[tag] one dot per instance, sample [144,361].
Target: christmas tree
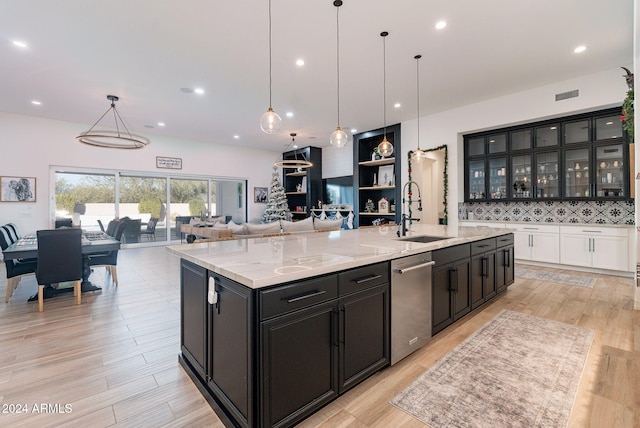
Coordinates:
[277,207]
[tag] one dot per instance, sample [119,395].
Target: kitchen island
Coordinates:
[272,329]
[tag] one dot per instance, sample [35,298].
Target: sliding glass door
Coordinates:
[154,206]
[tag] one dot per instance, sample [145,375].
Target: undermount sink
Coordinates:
[423,239]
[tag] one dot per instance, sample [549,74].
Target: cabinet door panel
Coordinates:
[193,302]
[461,294]
[365,335]
[522,248]
[545,247]
[576,250]
[299,363]
[489,285]
[441,314]
[230,343]
[610,252]
[477,280]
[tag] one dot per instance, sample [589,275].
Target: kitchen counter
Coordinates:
[261,262]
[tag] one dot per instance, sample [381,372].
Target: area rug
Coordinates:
[517,370]
[559,278]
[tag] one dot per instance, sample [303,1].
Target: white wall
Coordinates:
[29,145]
[597,91]
[337,162]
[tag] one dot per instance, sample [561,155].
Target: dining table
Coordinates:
[92,243]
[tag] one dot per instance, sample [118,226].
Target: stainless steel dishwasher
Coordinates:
[410,304]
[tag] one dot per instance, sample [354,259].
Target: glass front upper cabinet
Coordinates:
[498,178]
[576,166]
[608,127]
[477,183]
[521,140]
[610,171]
[547,136]
[576,132]
[497,143]
[521,173]
[547,175]
[475,147]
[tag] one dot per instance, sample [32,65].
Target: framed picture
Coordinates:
[260,195]
[17,189]
[385,175]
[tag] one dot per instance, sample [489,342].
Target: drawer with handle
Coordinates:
[485,245]
[363,277]
[287,298]
[504,240]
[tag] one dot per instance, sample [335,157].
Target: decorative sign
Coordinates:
[168,163]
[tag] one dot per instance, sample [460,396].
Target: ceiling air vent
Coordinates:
[568,94]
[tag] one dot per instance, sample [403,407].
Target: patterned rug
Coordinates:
[516,371]
[559,278]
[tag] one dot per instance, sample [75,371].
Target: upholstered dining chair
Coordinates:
[111,227]
[16,269]
[110,258]
[59,260]
[101,225]
[150,230]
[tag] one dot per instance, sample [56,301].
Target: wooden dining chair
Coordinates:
[59,260]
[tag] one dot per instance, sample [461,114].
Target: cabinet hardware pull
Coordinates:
[455,283]
[485,266]
[482,246]
[507,258]
[530,228]
[369,278]
[410,268]
[532,240]
[306,296]
[594,244]
[592,231]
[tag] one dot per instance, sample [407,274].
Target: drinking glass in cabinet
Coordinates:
[610,174]
[498,178]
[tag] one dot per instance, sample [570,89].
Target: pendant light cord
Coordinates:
[417,57]
[384,35]
[270,105]
[338,58]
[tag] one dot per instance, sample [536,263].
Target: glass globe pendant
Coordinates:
[270,122]
[385,148]
[339,138]
[418,155]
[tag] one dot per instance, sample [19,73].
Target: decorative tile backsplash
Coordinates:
[597,212]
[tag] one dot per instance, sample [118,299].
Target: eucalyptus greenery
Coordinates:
[628,115]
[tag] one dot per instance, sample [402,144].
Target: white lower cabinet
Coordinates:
[540,243]
[597,247]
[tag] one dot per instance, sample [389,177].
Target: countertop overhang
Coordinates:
[262,262]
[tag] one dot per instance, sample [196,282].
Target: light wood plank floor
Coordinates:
[113,359]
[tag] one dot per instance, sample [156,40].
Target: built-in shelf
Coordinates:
[303,187]
[298,212]
[377,187]
[296,193]
[296,174]
[383,161]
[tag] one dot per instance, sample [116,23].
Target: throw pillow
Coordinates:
[305,225]
[262,229]
[236,229]
[327,224]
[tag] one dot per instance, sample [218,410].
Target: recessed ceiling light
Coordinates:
[160,123]
[300,62]
[580,49]
[236,137]
[397,105]
[295,146]
[354,130]
[19,44]
[36,103]
[289,114]
[441,24]
[199,91]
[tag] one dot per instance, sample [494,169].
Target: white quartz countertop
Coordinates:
[261,262]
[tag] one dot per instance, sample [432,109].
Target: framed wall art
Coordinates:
[17,189]
[260,195]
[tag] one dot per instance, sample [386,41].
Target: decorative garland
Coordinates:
[445,178]
[628,115]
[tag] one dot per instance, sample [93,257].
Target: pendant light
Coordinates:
[338,138]
[294,163]
[121,138]
[270,122]
[418,154]
[385,148]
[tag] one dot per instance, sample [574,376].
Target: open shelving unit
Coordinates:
[301,202]
[366,173]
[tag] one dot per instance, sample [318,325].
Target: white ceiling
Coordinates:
[144,51]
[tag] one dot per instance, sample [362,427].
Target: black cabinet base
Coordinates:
[207,394]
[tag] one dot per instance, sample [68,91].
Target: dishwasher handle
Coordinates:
[414,267]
